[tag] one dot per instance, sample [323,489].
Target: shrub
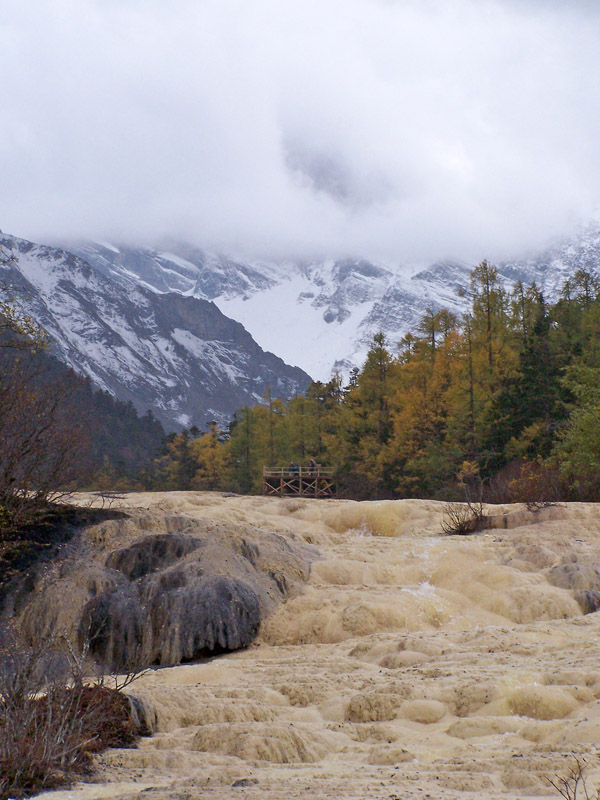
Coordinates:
[535,483]
[463,518]
[51,721]
[469,517]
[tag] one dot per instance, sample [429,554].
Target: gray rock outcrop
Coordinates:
[159,589]
[582,578]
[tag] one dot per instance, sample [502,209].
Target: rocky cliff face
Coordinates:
[177,355]
[176,267]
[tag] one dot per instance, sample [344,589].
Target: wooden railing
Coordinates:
[296,472]
[299,480]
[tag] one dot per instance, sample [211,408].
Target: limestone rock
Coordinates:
[589,600]
[575,575]
[583,578]
[181,591]
[384,755]
[424,711]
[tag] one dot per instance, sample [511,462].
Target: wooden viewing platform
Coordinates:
[300,481]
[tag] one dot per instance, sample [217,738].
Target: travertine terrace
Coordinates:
[410,665]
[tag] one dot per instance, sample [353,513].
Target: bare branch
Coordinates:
[568,785]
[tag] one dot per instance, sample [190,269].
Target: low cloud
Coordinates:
[401,130]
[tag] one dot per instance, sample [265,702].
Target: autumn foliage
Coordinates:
[511,386]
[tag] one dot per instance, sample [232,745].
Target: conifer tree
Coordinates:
[488,311]
[481,392]
[176,467]
[241,450]
[530,402]
[578,446]
[210,458]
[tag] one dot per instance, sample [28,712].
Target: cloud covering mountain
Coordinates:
[389,129]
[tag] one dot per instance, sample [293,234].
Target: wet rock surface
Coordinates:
[582,577]
[409,664]
[175,591]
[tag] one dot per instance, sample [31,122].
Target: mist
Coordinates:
[399,131]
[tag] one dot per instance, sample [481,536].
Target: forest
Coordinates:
[501,404]
[503,401]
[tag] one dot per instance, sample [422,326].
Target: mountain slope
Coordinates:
[177,355]
[323,315]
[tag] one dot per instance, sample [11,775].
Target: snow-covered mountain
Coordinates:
[156,325]
[554,265]
[323,315]
[173,353]
[319,315]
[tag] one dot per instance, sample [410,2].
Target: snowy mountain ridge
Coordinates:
[174,354]
[185,333]
[323,315]
[319,315]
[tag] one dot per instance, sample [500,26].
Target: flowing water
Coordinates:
[411,665]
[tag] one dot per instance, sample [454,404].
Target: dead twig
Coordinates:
[569,785]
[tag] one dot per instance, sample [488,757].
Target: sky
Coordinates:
[403,131]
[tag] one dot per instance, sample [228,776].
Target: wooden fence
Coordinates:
[298,481]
